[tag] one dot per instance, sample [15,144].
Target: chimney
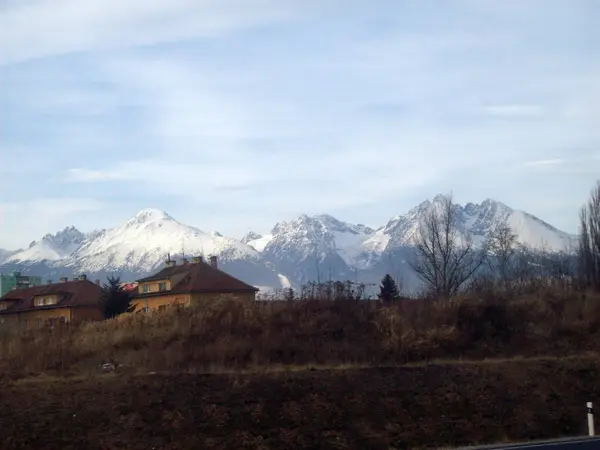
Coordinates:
[197,259]
[170,263]
[184,261]
[83,277]
[213,261]
[97,282]
[64,279]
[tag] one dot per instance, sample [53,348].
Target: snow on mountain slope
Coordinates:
[285,281]
[51,247]
[5,254]
[143,242]
[534,233]
[294,252]
[309,248]
[300,244]
[478,220]
[531,232]
[317,236]
[257,241]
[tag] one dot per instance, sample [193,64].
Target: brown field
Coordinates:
[375,408]
[310,374]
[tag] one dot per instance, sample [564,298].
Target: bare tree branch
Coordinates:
[445,261]
[589,241]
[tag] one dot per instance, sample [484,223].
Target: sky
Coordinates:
[232,115]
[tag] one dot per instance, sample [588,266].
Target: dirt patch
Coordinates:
[377,408]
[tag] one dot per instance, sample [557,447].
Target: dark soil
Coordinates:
[377,408]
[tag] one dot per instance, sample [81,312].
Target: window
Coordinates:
[38,323]
[162,286]
[41,301]
[2,306]
[145,309]
[162,307]
[146,288]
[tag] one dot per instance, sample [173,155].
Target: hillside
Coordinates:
[344,374]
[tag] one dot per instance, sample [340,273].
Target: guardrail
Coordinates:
[589,442]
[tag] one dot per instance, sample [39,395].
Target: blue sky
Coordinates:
[234,114]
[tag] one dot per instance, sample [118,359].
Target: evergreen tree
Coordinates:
[388,291]
[115,300]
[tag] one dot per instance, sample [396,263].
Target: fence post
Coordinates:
[590,417]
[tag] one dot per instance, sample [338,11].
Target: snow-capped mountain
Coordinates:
[51,247]
[140,246]
[476,220]
[310,248]
[143,242]
[292,253]
[321,246]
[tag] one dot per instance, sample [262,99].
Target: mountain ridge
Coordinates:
[293,252]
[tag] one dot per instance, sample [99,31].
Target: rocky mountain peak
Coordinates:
[149,215]
[251,236]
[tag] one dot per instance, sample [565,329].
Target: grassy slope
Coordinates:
[522,397]
[235,336]
[403,407]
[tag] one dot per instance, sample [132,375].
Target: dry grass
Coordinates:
[230,374]
[229,335]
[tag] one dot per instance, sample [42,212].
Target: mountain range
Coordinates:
[309,248]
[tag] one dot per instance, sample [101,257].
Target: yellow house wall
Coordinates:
[154,286]
[156,301]
[29,319]
[212,296]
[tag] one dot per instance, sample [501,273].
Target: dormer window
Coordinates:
[43,301]
[162,287]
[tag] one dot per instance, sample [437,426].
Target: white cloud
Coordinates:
[544,163]
[514,110]
[23,221]
[52,27]
[87,175]
[266,108]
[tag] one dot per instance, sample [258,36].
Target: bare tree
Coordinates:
[503,251]
[445,260]
[589,241]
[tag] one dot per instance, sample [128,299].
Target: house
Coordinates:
[10,280]
[188,283]
[52,304]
